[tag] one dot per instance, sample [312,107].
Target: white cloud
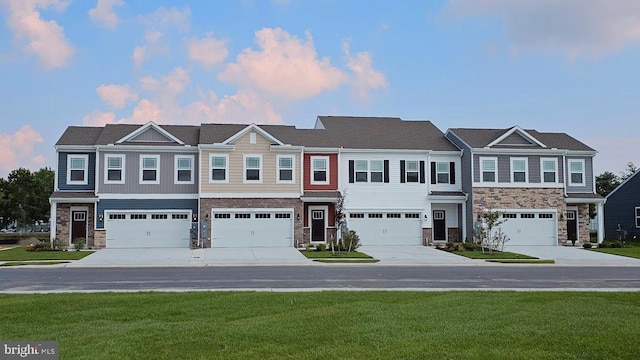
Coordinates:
[17,149]
[158,23]
[116,96]
[284,66]
[207,51]
[164,18]
[572,28]
[43,38]
[243,107]
[98,118]
[103,13]
[139,55]
[363,76]
[169,85]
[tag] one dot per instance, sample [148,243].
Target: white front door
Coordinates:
[530,227]
[147,229]
[386,228]
[251,227]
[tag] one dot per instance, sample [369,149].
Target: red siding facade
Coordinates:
[333,173]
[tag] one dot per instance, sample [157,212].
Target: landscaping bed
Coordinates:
[327,256]
[348,325]
[474,251]
[22,253]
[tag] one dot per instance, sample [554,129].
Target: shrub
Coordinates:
[321,247]
[59,245]
[79,243]
[308,247]
[350,241]
[587,245]
[610,244]
[41,246]
[469,246]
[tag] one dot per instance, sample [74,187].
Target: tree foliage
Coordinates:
[628,171]
[606,182]
[24,196]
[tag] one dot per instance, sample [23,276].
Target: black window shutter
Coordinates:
[351,171]
[386,171]
[401,171]
[452,172]
[433,173]
[422,172]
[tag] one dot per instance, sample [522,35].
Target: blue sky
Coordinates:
[551,65]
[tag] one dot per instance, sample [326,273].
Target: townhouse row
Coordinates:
[232,185]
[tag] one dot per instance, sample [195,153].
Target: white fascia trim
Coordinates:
[209,195]
[392,151]
[148,148]
[284,148]
[318,199]
[439,199]
[512,151]
[308,150]
[147,126]
[256,128]
[71,148]
[521,132]
[73,200]
[147,196]
[222,147]
[584,201]
[621,184]
[517,185]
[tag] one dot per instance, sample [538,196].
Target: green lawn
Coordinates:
[329,325]
[338,254]
[633,252]
[493,255]
[21,254]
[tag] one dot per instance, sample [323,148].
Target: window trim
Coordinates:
[370,169]
[293,169]
[313,169]
[244,169]
[175,169]
[417,171]
[141,166]
[448,167]
[85,180]
[355,170]
[637,216]
[226,168]
[526,169]
[555,169]
[106,168]
[495,169]
[583,172]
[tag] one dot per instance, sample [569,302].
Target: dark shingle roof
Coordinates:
[217,133]
[79,135]
[111,133]
[479,138]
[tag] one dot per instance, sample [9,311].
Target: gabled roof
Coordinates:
[111,133]
[481,138]
[256,128]
[156,131]
[519,133]
[623,183]
[79,135]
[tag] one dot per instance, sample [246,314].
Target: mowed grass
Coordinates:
[492,255]
[21,254]
[329,325]
[633,252]
[337,254]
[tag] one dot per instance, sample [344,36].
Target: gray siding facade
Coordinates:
[466,165]
[588,175]
[61,172]
[132,170]
[504,167]
[143,204]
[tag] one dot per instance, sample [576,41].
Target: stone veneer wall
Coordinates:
[63,225]
[100,239]
[522,198]
[583,223]
[453,235]
[427,237]
[238,203]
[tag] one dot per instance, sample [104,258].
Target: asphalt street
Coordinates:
[336,277]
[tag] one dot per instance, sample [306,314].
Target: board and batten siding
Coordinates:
[62,172]
[132,184]
[235,166]
[143,204]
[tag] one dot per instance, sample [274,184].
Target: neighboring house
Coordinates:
[126,185]
[622,210]
[542,182]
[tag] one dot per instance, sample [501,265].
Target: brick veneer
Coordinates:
[427,236]
[523,198]
[63,225]
[100,239]
[236,203]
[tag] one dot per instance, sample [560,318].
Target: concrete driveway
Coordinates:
[415,255]
[574,256]
[188,257]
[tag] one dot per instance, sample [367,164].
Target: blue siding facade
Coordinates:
[62,172]
[466,171]
[620,209]
[143,204]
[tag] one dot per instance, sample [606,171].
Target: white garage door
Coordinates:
[530,227]
[387,228]
[147,229]
[252,228]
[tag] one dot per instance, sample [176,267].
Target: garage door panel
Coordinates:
[263,228]
[530,228]
[147,229]
[386,228]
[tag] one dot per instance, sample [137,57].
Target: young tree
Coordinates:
[26,196]
[628,171]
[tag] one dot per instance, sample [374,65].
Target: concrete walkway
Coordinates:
[416,255]
[574,256]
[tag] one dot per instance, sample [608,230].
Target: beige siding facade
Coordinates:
[235,175]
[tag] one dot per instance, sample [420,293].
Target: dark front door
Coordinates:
[439,225]
[317,225]
[572,225]
[79,225]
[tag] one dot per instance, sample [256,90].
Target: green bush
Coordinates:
[79,243]
[41,246]
[613,244]
[469,246]
[59,244]
[350,241]
[321,247]
[587,245]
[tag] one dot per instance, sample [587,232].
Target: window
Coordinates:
[285,169]
[263,216]
[159,216]
[117,216]
[138,216]
[114,169]
[394,216]
[509,216]
[219,168]
[549,169]
[545,216]
[356,216]
[638,217]
[222,216]
[243,216]
[527,216]
[488,169]
[252,168]
[320,168]
[78,167]
[576,172]
[149,169]
[179,216]
[283,216]
[442,172]
[361,170]
[184,169]
[518,170]
[412,216]
[377,170]
[375,216]
[411,170]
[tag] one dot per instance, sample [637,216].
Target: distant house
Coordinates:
[622,210]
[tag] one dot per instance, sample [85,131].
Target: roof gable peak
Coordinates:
[158,134]
[247,129]
[517,131]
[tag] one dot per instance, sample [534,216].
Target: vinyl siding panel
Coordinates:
[620,209]
[333,172]
[236,169]
[588,175]
[132,175]
[62,172]
[504,167]
[468,170]
[143,204]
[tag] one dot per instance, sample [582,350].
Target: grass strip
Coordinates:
[492,255]
[352,325]
[523,261]
[21,263]
[338,254]
[22,254]
[633,252]
[344,261]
